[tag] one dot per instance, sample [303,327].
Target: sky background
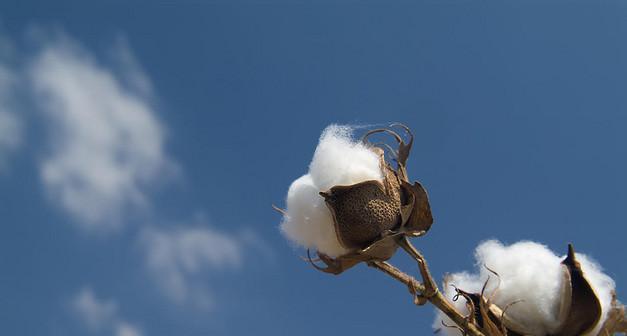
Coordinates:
[142,144]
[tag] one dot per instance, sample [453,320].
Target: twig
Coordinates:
[431,288]
[437,300]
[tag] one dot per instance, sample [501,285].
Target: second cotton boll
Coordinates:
[529,278]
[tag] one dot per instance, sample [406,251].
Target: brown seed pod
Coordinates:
[370,216]
[363,211]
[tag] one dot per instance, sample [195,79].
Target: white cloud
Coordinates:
[94,313]
[10,128]
[107,144]
[179,259]
[100,316]
[125,329]
[130,67]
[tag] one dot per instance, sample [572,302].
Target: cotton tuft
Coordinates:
[530,272]
[338,160]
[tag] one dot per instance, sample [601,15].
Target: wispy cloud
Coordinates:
[100,316]
[105,150]
[10,127]
[179,259]
[130,67]
[125,329]
[107,144]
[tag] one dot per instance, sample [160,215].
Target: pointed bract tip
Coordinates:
[570,256]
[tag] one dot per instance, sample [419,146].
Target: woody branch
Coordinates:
[426,290]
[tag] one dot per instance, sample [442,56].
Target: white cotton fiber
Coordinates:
[338,160]
[529,272]
[308,221]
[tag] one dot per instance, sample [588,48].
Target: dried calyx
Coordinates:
[616,321]
[579,311]
[372,216]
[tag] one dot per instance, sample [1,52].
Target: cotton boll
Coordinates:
[308,221]
[529,272]
[603,287]
[340,160]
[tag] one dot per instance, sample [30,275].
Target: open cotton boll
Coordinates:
[340,160]
[308,221]
[529,272]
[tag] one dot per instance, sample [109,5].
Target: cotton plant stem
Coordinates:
[437,300]
[385,267]
[428,290]
[431,288]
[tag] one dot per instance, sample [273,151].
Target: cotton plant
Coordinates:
[356,204]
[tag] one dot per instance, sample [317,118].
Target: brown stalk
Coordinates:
[426,291]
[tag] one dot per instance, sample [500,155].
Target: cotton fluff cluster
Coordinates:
[338,160]
[530,272]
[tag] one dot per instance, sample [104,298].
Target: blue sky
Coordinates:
[142,144]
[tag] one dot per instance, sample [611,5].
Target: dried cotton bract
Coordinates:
[525,289]
[352,205]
